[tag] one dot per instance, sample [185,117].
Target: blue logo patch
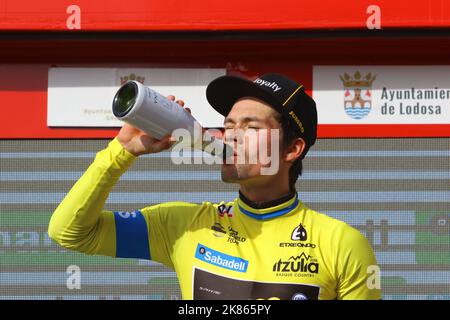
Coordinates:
[220,259]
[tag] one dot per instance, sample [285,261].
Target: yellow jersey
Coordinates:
[227,250]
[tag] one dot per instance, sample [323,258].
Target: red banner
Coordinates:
[170,15]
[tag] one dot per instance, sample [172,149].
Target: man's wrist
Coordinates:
[120,154]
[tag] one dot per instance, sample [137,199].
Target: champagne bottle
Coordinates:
[148,110]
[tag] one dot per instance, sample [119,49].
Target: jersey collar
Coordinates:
[270,212]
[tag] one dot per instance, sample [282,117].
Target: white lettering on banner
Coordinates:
[28,241]
[382,94]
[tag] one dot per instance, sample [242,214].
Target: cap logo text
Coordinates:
[299,123]
[272,85]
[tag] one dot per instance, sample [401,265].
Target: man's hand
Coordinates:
[138,142]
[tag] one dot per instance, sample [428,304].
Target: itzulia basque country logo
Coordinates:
[358,98]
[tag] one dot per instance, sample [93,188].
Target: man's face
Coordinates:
[252,129]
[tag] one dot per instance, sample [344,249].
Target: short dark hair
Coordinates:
[289,136]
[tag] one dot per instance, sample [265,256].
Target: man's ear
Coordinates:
[295,150]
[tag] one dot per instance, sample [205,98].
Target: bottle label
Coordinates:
[159,100]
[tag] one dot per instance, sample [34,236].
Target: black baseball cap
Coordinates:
[281,93]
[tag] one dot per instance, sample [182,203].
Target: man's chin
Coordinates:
[229,174]
[229,179]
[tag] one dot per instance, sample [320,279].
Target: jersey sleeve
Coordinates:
[358,272]
[154,232]
[79,222]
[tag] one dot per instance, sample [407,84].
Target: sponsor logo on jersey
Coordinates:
[299,235]
[127,215]
[210,286]
[234,237]
[220,259]
[223,209]
[296,245]
[299,296]
[301,265]
[218,230]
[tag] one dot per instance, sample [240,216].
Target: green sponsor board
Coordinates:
[164,281]
[22,219]
[392,281]
[438,233]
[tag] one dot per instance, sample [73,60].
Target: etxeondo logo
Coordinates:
[220,259]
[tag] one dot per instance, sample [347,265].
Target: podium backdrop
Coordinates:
[390,178]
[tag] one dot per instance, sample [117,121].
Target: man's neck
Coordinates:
[259,196]
[266,204]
